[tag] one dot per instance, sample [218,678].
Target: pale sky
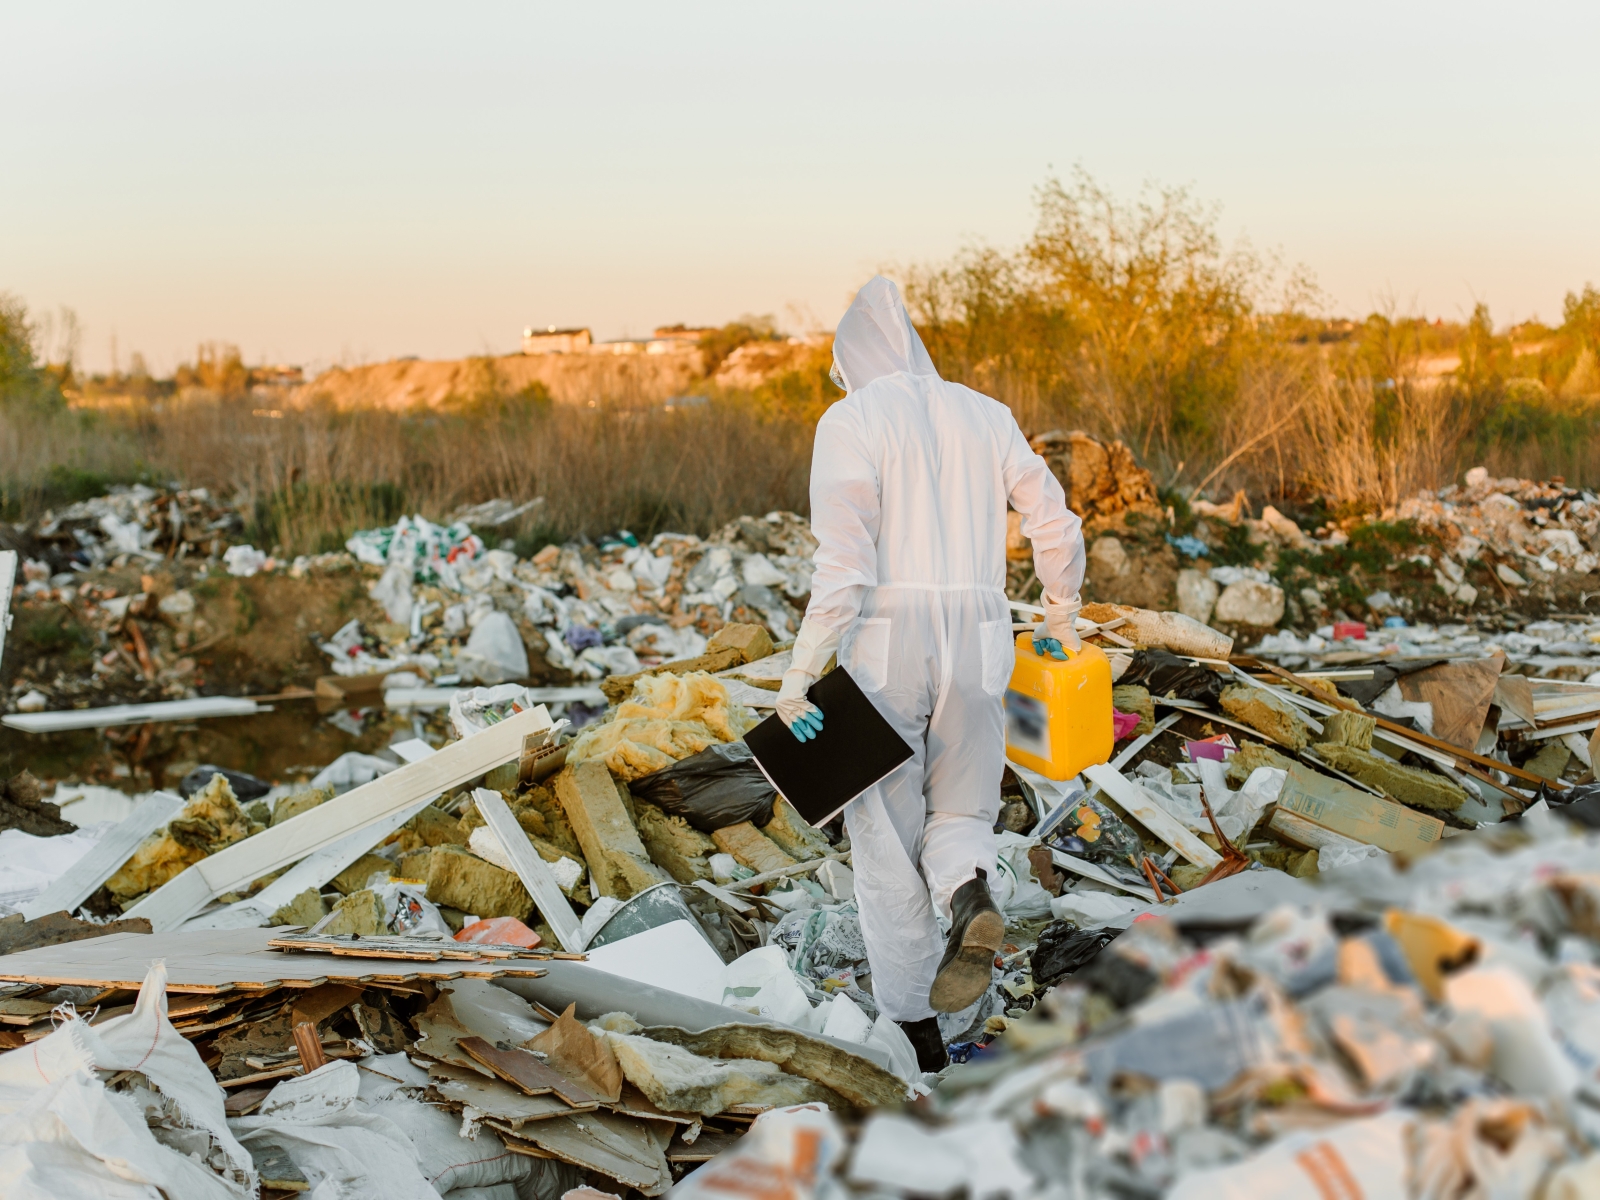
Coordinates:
[349,182]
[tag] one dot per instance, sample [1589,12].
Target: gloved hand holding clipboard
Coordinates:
[852,750]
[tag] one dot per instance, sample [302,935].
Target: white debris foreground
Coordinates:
[1446,1045]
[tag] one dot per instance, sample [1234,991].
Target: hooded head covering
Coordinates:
[876,338]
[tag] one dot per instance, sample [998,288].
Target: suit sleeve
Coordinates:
[845,501]
[1047,522]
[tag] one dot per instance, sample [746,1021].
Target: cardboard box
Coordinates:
[1356,814]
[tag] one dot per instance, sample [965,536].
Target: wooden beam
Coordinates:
[1456,752]
[238,865]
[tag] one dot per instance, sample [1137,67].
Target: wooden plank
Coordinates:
[237,865]
[85,876]
[523,1069]
[225,960]
[1136,802]
[532,870]
[131,714]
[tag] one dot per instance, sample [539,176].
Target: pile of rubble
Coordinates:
[460,613]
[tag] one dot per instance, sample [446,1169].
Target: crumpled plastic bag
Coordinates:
[1091,830]
[1063,948]
[475,709]
[66,1135]
[341,1149]
[494,653]
[1163,673]
[718,787]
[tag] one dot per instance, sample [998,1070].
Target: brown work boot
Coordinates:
[976,931]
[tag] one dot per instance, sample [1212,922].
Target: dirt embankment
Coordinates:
[571,379]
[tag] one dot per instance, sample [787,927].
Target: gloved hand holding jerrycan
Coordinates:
[1058,703]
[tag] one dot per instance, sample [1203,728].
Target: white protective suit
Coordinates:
[910,479]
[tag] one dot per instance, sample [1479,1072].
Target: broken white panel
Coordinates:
[1094,871]
[131,714]
[238,865]
[8,580]
[532,870]
[110,852]
[1137,803]
[313,871]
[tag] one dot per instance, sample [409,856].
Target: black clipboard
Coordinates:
[855,749]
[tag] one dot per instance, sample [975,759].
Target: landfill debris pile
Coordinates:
[382,989]
[140,522]
[1423,1031]
[615,609]
[1323,923]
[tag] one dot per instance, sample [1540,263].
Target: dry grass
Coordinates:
[312,476]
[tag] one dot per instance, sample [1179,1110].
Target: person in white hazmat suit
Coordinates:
[910,480]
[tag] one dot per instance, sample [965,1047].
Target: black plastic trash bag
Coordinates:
[718,787]
[1063,948]
[245,787]
[1165,674]
[1579,803]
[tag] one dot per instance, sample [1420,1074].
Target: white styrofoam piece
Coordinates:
[674,956]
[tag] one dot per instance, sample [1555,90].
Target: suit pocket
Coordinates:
[999,655]
[869,654]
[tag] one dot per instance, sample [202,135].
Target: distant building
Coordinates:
[555,341]
[681,332]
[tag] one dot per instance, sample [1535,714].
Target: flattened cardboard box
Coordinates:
[1356,814]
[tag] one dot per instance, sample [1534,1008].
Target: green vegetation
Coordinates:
[1132,320]
[1129,319]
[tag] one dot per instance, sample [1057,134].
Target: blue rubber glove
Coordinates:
[803,718]
[1050,646]
[807,726]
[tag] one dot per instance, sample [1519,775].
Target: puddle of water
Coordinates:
[288,744]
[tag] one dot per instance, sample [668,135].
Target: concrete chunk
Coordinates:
[1267,714]
[794,835]
[462,880]
[616,857]
[751,848]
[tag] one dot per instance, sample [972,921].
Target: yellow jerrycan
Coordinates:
[1058,714]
